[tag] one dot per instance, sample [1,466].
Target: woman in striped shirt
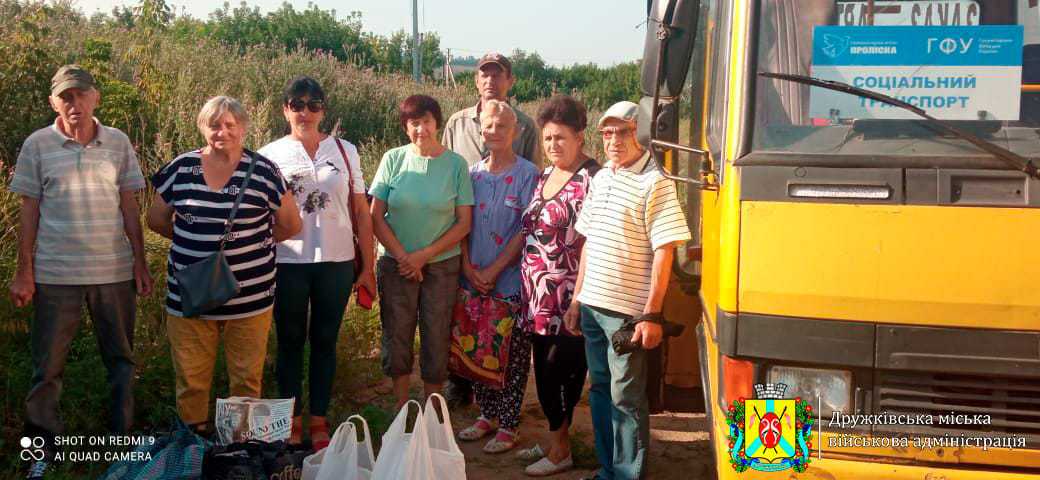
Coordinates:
[193,200]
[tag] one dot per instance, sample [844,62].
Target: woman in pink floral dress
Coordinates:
[549,268]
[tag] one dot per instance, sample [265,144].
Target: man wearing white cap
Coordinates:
[632,222]
[79,241]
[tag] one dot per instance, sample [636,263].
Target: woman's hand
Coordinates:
[412,263]
[367,279]
[572,318]
[477,279]
[490,276]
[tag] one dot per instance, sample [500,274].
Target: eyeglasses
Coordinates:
[314,106]
[619,133]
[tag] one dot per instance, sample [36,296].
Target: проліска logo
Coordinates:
[770,433]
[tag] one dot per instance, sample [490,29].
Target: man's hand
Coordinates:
[22,289]
[649,333]
[142,278]
[572,318]
[367,279]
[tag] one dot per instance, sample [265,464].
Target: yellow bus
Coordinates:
[861,178]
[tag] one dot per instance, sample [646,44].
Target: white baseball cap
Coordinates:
[623,110]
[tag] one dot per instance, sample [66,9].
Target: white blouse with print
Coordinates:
[319,186]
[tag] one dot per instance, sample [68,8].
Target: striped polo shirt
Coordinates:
[200,216]
[81,238]
[628,214]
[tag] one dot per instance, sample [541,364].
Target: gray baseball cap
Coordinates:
[71,76]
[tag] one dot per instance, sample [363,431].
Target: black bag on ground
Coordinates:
[254,460]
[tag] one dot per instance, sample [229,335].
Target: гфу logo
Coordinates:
[770,433]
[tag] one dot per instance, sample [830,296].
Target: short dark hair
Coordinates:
[563,110]
[302,87]
[416,106]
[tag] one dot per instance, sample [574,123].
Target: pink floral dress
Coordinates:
[552,251]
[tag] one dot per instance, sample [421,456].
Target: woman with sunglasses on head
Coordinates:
[316,266]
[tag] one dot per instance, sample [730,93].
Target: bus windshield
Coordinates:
[972,63]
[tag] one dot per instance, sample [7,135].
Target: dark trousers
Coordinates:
[405,305]
[325,287]
[559,374]
[55,324]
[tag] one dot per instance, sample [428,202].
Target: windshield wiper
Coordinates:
[1013,159]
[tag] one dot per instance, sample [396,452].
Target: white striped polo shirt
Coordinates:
[81,238]
[628,214]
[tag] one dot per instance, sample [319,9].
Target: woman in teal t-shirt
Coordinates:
[422,207]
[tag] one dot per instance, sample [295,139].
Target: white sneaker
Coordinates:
[545,467]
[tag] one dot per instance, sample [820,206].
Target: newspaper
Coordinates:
[243,418]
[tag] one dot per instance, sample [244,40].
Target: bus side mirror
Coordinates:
[679,17]
[667,120]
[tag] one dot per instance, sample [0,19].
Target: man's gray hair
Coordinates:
[216,107]
[497,108]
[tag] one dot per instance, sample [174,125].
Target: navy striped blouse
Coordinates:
[199,222]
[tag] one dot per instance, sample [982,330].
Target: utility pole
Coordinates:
[416,53]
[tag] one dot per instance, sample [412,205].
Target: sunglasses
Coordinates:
[314,106]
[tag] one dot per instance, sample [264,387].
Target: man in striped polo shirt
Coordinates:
[79,240]
[632,223]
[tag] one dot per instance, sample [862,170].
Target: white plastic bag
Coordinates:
[345,458]
[445,455]
[312,464]
[405,456]
[366,459]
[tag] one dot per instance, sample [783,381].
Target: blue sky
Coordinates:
[563,32]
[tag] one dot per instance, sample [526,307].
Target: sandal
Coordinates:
[504,441]
[322,427]
[478,430]
[530,454]
[546,467]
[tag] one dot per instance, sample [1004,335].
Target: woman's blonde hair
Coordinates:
[216,107]
[497,108]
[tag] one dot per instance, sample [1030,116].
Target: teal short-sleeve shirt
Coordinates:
[421,194]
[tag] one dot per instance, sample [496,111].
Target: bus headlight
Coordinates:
[833,387]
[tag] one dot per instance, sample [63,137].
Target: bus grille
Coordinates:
[1013,404]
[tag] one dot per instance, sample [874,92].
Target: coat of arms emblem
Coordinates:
[770,433]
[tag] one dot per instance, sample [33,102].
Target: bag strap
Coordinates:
[444,412]
[368,436]
[350,191]
[342,438]
[238,199]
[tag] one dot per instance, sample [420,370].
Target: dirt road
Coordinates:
[679,446]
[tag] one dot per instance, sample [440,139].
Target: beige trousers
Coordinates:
[193,343]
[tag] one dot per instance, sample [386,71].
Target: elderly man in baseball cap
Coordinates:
[494,78]
[632,223]
[79,240]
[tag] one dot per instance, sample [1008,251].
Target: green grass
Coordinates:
[152,85]
[84,399]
